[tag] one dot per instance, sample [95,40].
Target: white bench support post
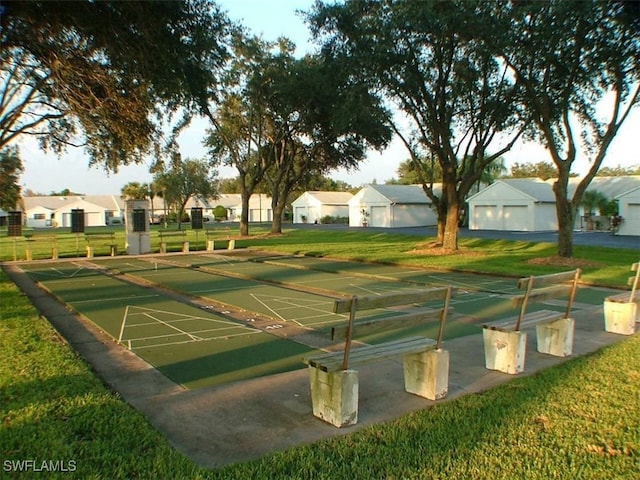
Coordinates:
[89,251]
[211,245]
[163,247]
[504,350]
[427,374]
[621,317]
[334,396]
[556,338]
[185,247]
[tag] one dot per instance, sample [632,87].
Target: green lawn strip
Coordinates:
[487,256]
[501,257]
[41,241]
[54,408]
[191,346]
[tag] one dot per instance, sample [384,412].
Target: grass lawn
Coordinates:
[577,420]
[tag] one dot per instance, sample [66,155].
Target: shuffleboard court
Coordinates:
[302,308]
[140,302]
[194,347]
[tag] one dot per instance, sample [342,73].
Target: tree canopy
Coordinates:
[452,95]
[104,74]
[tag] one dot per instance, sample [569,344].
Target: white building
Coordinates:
[391,206]
[310,207]
[259,207]
[519,204]
[629,210]
[528,204]
[55,211]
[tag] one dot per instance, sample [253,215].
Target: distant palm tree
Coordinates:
[591,200]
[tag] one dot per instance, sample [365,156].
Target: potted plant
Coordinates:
[365,217]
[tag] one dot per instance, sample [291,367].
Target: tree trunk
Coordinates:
[566,218]
[244,217]
[276,222]
[451,229]
[452,209]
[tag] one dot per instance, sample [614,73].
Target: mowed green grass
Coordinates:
[580,419]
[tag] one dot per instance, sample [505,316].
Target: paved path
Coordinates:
[245,420]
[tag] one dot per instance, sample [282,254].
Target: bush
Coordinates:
[328,219]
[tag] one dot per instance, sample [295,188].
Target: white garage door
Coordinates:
[485,217]
[379,217]
[515,218]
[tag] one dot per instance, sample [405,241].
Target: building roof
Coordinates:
[610,187]
[537,189]
[404,194]
[331,198]
[108,202]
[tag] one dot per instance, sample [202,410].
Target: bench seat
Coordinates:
[624,297]
[332,361]
[528,320]
[95,238]
[169,236]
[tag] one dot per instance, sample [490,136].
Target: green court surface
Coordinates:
[207,345]
[193,347]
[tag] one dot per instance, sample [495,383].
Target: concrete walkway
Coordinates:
[246,420]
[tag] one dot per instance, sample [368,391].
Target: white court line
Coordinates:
[185,316]
[57,274]
[193,337]
[197,339]
[191,341]
[110,299]
[268,307]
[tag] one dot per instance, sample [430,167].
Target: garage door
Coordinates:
[379,217]
[485,217]
[515,218]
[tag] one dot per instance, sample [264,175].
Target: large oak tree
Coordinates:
[579,65]
[104,74]
[453,98]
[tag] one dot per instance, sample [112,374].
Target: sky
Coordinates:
[45,172]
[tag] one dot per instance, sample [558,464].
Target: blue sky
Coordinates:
[270,19]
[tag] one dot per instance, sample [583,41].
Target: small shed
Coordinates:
[391,206]
[629,210]
[522,204]
[311,207]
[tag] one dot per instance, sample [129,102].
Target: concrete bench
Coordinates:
[622,311]
[505,343]
[213,242]
[30,240]
[178,236]
[334,382]
[97,238]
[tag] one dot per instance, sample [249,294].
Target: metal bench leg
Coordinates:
[556,338]
[427,374]
[334,396]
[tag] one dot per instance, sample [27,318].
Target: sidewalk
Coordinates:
[245,420]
